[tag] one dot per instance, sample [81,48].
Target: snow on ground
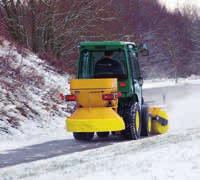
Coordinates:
[155,83]
[174,155]
[174,4]
[185,112]
[30,109]
[162,157]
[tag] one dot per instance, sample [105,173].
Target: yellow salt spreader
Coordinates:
[108,94]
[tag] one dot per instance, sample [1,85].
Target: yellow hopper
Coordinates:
[94,113]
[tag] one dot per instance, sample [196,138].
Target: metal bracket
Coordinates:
[161,120]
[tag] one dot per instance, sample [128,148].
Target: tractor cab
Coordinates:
[113,59]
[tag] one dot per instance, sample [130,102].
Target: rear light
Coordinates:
[108,97]
[119,94]
[70,98]
[122,84]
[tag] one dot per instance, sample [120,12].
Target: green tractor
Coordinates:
[108,93]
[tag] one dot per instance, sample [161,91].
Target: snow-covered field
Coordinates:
[175,155]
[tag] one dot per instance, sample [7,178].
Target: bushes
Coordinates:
[55,27]
[4,32]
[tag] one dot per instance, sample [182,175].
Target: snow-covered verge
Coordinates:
[158,83]
[30,109]
[172,156]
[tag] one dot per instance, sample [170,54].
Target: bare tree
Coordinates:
[53,28]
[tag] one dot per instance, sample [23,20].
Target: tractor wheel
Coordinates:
[103,134]
[83,136]
[146,121]
[132,120]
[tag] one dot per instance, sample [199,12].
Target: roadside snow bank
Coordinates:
[184,112]
[150,158]
[158,83]
[29,98]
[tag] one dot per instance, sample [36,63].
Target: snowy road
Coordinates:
[170,156]
[51,149]
[158,95]
[176,152]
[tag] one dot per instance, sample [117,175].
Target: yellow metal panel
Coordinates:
[93,84]
[89,91]
[93,98]
[94,120]
[137,121]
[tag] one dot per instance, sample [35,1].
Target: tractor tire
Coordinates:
[83,136]
[146,121]
[103,134]
[132,121]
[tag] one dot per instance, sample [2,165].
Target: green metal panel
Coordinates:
[102,45]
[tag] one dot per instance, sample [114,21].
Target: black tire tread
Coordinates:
[83,136]
[103,134]
[129,116]
[145,119]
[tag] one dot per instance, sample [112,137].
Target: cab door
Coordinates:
[135,73]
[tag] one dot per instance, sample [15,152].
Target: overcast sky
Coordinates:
[172,4]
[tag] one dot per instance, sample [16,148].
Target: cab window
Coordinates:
[134,64]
